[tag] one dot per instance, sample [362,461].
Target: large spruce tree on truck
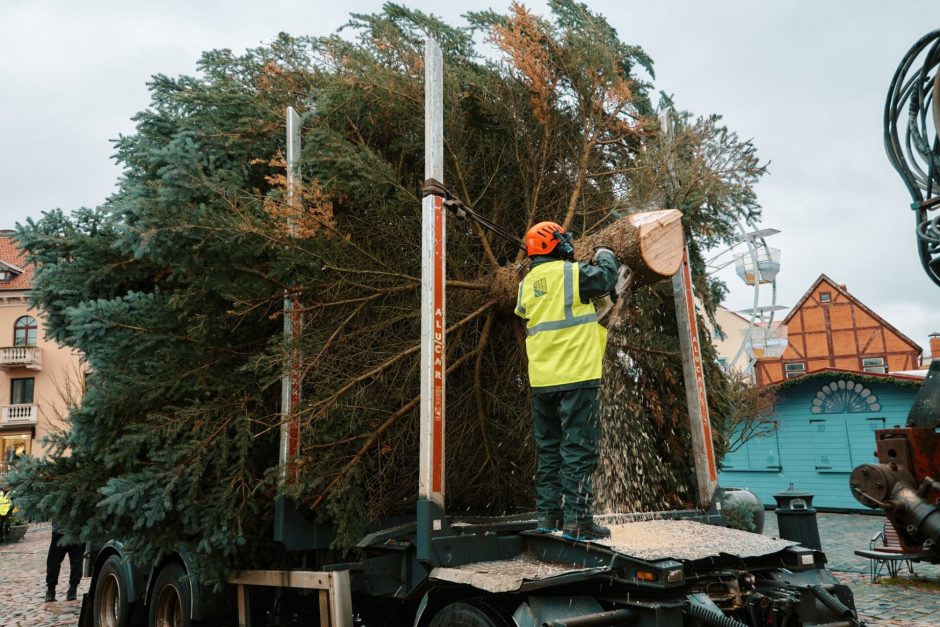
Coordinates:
[173,287]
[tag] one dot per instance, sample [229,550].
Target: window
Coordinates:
[13,446]
[844,397]
[24,331]
[874,364]
[8,272]
[793,370]
[21,391]
[825,297]
[759,454]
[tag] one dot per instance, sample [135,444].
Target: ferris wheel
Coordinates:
[757,265]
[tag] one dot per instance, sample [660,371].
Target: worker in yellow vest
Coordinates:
[565,347]
[6,513]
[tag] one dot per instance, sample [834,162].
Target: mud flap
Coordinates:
[86,617]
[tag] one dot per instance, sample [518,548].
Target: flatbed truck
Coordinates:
[658,569]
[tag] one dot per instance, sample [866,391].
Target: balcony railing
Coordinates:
[21,357]
[11,415]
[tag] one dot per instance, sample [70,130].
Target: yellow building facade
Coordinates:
[38,378]
[728,341]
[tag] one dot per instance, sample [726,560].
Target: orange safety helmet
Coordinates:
[541,240]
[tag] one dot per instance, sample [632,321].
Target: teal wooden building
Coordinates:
[825,423]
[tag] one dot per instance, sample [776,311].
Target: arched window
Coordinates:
[24,331]
[844,397]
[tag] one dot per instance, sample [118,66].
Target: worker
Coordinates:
[57,552]
[565,347]
[6,513]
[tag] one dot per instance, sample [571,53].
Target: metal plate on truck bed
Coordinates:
[686,540]
[508,575]
[646,541]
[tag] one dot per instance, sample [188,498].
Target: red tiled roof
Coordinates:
[9,253]
[842,290]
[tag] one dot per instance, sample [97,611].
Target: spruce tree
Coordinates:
[173,287]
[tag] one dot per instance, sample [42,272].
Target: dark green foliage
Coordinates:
[172,289]
[738,515]
[171,296]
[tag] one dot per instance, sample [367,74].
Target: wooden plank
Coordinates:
[303,579]
[334,598]
[871,338]
[829,346]
[324,608]
[244,612]
[340,599]
[803,333]
[703,455]
[858,350]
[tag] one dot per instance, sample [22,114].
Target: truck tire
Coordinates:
[469,614]
[111,607]
[171,599]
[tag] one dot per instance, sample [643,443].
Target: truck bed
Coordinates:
[651,541]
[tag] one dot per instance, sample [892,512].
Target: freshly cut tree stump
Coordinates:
[651,244]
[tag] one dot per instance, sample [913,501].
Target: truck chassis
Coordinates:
[494,572]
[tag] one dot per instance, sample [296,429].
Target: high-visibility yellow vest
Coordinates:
[5,504]
[564,342]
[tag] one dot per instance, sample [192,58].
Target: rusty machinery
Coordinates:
[904,482]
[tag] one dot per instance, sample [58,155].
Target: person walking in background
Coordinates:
[6,513]
[57,553]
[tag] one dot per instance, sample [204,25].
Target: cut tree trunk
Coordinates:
[651,244]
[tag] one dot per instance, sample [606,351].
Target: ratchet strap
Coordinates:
[433,187]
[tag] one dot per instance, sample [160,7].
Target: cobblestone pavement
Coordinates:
[877,603]
[23,584]
[23,567]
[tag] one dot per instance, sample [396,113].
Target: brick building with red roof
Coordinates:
[38,378]
[831,328]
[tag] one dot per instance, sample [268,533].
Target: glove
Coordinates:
[602,249]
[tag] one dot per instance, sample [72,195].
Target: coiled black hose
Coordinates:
[832,602]
[917,159]
[711,617]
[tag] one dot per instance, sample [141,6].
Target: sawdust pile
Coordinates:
[503,575]
[687,540]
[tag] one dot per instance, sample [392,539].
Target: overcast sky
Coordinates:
[806,80]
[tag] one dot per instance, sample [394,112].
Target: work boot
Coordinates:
[549,522]
[50,595]
[72,593]
[585,531]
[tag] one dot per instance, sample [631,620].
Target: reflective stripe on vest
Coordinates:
[564,343]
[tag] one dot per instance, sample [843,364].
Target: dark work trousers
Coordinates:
[57,553]
[567,429]
[5,526]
